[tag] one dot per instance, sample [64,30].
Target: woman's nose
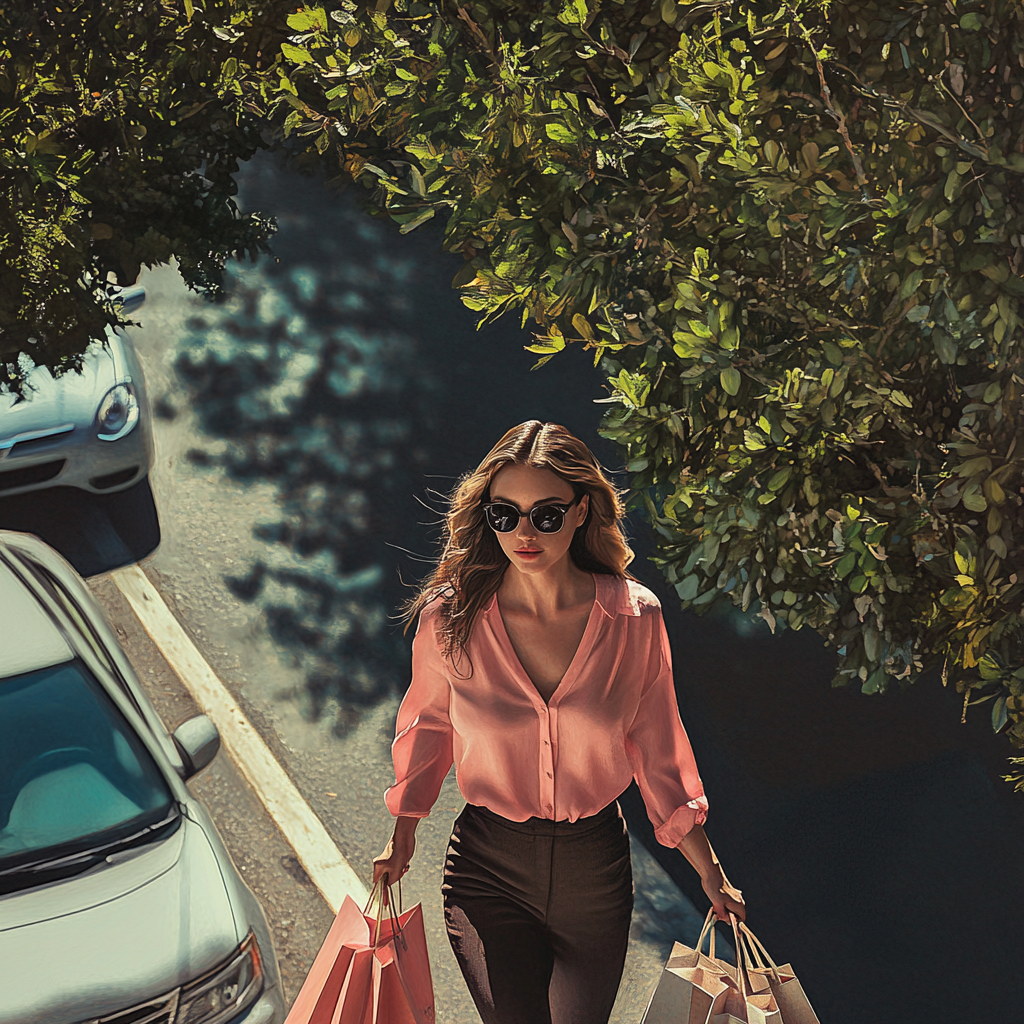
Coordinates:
[525,530]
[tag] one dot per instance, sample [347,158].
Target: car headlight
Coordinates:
[118,412]
[227,991]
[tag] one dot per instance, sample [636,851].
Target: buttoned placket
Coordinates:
[546,715]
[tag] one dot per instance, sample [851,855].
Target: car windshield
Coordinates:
[74,776]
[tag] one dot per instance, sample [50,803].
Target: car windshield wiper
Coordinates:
[81,859]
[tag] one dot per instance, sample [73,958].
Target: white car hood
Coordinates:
[118,935]
[70,398]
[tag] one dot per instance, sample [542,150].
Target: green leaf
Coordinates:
[971,22]
[421,218]
[687,588]
[833,353]
[945,347]
[874,682]
[992,392]
[779,478]
[950,190]
[557,132]
[911,284]
[296,54]
[975,502]
[999,716]
[582,324]
[989,668]
[730,380]
[846,563]
[963,557]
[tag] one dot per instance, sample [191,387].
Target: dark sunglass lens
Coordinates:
[502,518]
[547,518]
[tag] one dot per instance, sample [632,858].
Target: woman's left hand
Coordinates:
[725,897]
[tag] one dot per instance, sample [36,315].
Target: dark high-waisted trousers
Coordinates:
[538,914]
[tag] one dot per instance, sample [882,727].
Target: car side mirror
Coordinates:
[197,741]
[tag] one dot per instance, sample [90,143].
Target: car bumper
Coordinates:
[78,459]
[268,1009]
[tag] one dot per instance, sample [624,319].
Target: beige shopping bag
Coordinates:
[692,987]
[745,1003]
[782,982]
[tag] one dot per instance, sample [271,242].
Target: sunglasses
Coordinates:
[504,518]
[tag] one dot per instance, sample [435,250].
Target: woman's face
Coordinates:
[525,487]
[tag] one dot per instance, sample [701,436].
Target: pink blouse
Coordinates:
[612,718]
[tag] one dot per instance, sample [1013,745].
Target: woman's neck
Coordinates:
[561,586]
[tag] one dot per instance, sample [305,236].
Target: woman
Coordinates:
[542,668]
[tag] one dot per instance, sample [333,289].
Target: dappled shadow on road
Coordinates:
[348,373]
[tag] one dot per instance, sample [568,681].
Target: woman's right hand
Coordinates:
[396,855]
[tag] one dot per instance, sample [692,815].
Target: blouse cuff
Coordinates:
[672,832]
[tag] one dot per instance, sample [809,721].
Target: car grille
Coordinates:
[161,1010]
[11,478]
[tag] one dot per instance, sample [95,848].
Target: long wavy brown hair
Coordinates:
[472,564]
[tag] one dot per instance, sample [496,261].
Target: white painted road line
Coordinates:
[317,852]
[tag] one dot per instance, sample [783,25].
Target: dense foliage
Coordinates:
[121,125]
[794,231]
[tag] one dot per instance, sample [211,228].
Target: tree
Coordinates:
[109,113]
[794,233]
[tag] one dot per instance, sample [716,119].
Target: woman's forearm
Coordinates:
[405,831]
[696,848]
[725,898]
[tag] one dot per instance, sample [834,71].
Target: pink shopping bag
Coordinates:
[371,969]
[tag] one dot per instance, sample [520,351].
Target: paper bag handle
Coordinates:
[741,958]
[378,892]
[709,928]
[757,944]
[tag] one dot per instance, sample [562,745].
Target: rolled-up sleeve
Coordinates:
[659,750]
[422,750]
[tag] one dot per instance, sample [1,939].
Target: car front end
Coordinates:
[88,429]
[119,902]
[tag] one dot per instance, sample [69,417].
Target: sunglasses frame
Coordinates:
[561,506]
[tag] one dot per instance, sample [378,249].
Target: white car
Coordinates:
[90,430]
[119,903]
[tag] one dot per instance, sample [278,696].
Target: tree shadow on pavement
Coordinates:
[348,373]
